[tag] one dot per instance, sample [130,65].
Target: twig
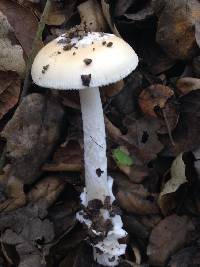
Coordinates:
[35,48]
[168,127]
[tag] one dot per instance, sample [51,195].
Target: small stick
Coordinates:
[35,48]
[168,127]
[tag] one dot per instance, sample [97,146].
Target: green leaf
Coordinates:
[122,157]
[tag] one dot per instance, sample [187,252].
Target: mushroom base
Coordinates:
[104,226]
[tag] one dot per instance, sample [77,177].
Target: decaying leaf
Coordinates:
[66,158]
[23,22]
[11,53]
[125,100]
[46,191]
[142,134]
[28,230]
[31,135]
[154,96]
[176,27]
[178,178]
[12,193]
[9,91]
[186,257]
[135,198]
[187,84]
[170,235]
[186,135]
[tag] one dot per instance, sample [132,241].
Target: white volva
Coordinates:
[85,63]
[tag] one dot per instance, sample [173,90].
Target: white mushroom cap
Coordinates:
[96,59]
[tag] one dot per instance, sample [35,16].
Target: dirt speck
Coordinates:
[109,44]
[86,79]
[45,68]
[87,61]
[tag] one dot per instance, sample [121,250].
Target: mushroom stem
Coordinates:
[99,214]
[94,145]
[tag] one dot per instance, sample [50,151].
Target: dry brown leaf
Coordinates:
[187,84]
[66,158]
[135,198]
[46,191]
[176,27]
[29,231]
[31,135]
[154,96]
[142,135]
[11,53]
[9,91]
[23,22]
[167,237]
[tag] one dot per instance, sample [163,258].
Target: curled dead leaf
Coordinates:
[154,96]
[187,84]
[178,178]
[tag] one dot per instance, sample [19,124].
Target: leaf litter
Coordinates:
[152,124]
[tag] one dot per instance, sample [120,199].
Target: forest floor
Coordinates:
[152,122]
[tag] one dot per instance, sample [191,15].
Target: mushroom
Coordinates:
[99,59]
